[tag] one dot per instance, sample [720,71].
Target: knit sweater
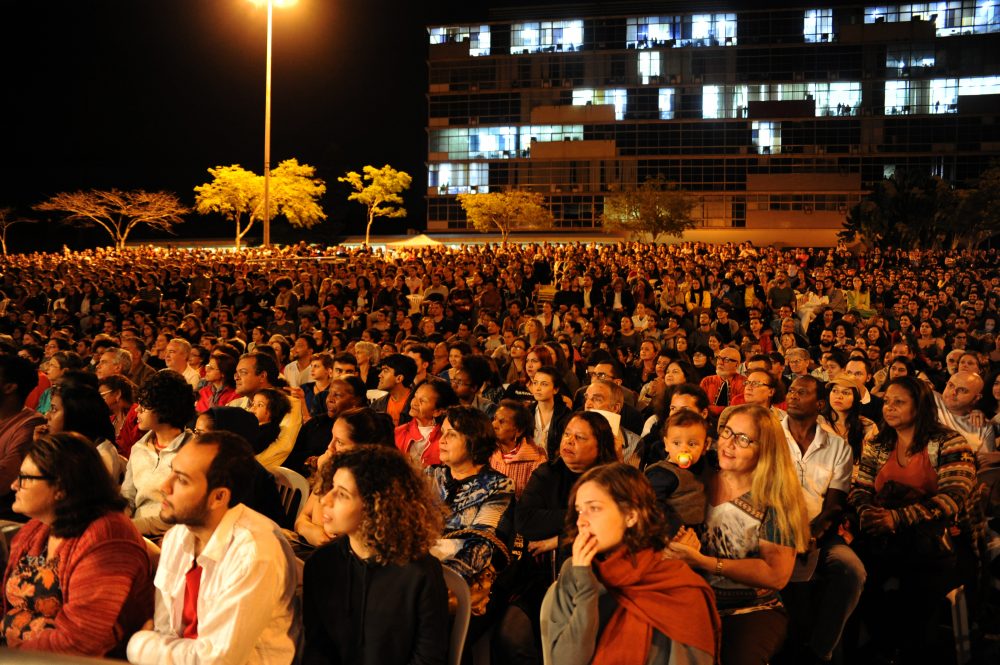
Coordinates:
[106,586]
[954,461]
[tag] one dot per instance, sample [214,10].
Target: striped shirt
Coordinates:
[519,464]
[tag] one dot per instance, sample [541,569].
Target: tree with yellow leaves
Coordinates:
[506,211]
[378,190]
[118,212]
[238,194]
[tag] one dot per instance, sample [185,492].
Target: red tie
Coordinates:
[189,617]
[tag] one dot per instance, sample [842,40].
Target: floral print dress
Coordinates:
[35,598]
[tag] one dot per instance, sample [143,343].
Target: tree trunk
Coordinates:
[368,229]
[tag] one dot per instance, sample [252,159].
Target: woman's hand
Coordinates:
[40,431]
[685,553]
[537,547]
[584,548]
[686,536]
[878,521]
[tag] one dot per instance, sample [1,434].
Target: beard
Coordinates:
[196,515]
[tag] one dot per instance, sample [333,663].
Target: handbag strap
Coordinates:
[498,545]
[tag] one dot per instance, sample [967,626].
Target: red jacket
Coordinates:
[226,395]
[130,432]
[106,581]
[713,384]
[408,433]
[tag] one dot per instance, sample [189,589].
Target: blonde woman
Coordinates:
[756,522]
[368,356]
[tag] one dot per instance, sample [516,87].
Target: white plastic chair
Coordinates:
[290,483]
[960,625]
[463,614]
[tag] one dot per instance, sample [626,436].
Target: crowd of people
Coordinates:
[630,453]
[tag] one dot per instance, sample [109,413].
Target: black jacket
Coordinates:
[360,613]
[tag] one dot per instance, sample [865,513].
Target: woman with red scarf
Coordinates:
[618,600]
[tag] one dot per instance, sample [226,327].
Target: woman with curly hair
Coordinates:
[617,599]
[165,407]
[374,570]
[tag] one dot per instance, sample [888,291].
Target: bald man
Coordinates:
[959,397]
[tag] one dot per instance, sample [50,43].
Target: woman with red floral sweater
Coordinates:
[78,579]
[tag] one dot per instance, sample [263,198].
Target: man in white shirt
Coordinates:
[824,463]
[226,578]
[959,397]
[177,353]
[299,371]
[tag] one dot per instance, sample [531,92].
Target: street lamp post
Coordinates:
[267,130]
[267,117]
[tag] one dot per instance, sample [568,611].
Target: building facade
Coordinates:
[772,117]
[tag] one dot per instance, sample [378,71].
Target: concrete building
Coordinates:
[774,118]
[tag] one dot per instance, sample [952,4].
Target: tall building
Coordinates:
[772,117]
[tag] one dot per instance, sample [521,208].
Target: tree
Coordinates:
[654,208]
[506,211]
[378,190]
[907,209]
[118,212]
[7,220]
[238,195]
[978,215]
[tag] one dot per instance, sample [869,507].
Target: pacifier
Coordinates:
[683,460]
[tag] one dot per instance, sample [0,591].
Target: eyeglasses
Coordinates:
[21,477]
[757,384]
[603,376]
[723,359]
[741,439]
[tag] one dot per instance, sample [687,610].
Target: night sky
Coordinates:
[150,93]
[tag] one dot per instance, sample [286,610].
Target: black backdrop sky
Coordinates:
[151,93]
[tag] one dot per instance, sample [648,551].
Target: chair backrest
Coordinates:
[463,614]
[293,489]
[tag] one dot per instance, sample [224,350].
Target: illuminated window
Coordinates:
[709,30]
[954,17]
[492,142]
[837,98]
[618,97]
[818,25]
[767,137]
[546,133]
[724,101]
[649,65]
[691,30]
[545,36]
[905,58]
[666,103]
[451,142]
[650,31]
[460,178]
[478,37]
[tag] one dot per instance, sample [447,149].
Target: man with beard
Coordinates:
[226,579]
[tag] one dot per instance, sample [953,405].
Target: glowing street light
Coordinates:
[267,115]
